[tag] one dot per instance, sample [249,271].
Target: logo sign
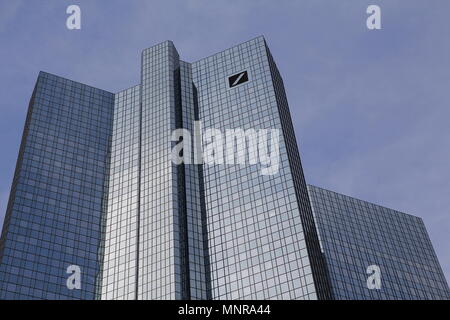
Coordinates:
[237,79]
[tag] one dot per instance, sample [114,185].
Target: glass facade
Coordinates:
[120,222]
[96,186]
[56,201]
[259,226]
[196,227]
[356,234]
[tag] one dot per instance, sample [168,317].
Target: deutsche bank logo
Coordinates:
[237,79]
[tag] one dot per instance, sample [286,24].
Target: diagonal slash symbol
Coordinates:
[238,78]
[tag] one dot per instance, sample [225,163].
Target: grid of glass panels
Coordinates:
[316,257]
[257,247]
[92,163]
[55,207]
[159,266]
[121,220]
[356,234]
[195,204]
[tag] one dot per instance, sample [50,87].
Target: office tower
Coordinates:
[55,206]
[97,186]
[356,234]
[201,231]
[262,243]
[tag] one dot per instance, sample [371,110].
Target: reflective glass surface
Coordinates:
[356,234]
[256,236]
[95,186]
[56,202]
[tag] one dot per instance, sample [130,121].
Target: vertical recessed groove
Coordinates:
[182,199]
[206,260]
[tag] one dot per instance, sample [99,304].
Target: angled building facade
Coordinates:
[96,186]
[261,237]
[357,235]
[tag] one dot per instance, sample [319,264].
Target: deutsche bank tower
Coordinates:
[187,185]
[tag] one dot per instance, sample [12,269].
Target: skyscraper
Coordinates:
[200,231]
[358,237]
[55,206]
[97,187]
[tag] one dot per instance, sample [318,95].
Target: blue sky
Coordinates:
[370,108]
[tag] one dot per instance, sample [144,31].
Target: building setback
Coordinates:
[95,187]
